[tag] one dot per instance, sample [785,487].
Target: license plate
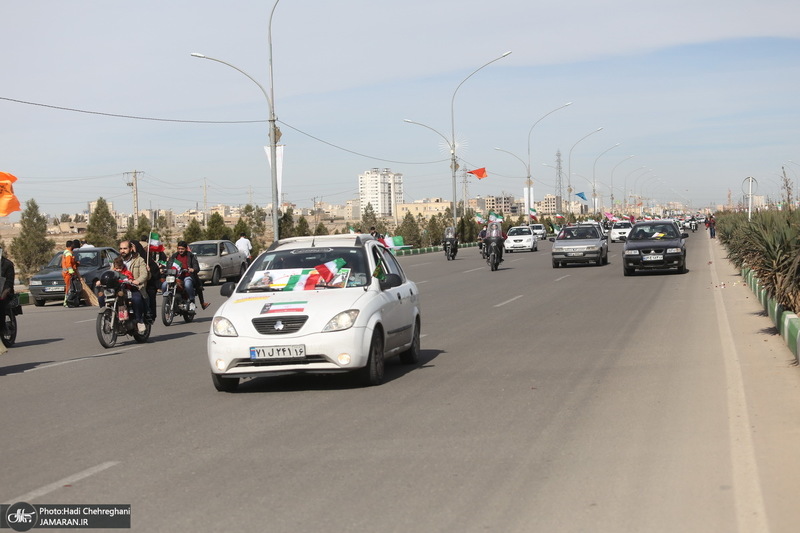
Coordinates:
[54,289]
[653,258]
[293,351]
[575,254]
[170,279]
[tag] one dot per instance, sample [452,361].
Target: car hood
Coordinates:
[319,305]
[54,273]
[653,244]
[570,243]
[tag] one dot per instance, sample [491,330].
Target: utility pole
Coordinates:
[559,184]
[205,202]
[465,194]
[133,183]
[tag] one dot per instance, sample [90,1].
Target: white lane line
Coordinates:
[509,301]
[473,270]
[81,359]
[748,497]
[562,277]
[420,264]
[47,489]
[421,282]
[89,320]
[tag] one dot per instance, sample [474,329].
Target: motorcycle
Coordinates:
[175,301]
[492,243]
[117,316]
[492,255]
[480,249]
[450,243]
[693,225]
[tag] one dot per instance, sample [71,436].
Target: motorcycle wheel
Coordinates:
[106,330]
[188,317]
[142,337]
[10,332]
[167,309]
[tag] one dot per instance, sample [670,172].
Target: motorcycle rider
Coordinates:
[481,237]
[495,234]
[7,294]
[451,236]
[189,267]
[141,274]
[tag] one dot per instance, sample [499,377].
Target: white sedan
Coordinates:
[325,304]
[521,238]
[620,231]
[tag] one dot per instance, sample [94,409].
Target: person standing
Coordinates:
[245,246]
[6,292]
[69,267]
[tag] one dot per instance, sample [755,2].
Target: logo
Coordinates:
[279,325]
[21,516]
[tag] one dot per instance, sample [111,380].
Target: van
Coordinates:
[539,231]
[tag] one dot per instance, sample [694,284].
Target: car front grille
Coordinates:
[648,251]
[278,325]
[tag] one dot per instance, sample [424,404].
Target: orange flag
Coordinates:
[8,201]
[480,173]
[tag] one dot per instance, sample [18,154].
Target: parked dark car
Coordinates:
[48,284]
[655,245]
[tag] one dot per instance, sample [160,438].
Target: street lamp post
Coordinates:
[594,179]
[274,132]
[451,143]
[529,182]
[625,187]
[569,169]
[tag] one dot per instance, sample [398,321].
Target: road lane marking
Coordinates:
[420,264]
[84,358]
[509,301]
[473,270]
[421,282]
[751,513]
[47,489]
[89,320]
[562,277]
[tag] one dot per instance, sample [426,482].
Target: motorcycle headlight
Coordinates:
[222,327]
[342,321]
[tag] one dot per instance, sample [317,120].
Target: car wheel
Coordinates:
[628,271]
[38,302]
[223,384]
[215,275]
[682,269]
[605,259]
[411,356]
[372,374]
[555,264]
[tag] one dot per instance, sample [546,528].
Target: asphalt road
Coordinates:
[552,400]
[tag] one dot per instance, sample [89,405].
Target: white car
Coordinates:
[521,238]
[619,231]
[325,304]
[539,230]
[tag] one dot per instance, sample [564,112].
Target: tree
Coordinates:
[31,249]
[240,227]
[321,229]
[409,230]
[142,228]
[368,218]
[216,228]
[164,231]
[102,228]
[65,218]
[286,224]
[193,231]
[435,230]
[302,228]
[79,218]
[256,217]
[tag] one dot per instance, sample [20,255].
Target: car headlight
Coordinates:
[203,266]
[673,250]
[592,248]
[631,252]
[222,327]
[343,320]
[35,282]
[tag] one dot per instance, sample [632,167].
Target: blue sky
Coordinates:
[703,93]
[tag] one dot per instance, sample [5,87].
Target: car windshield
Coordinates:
[649,232]
[573,232]
[307,269]
[208,249]
[519,231]
[622,225]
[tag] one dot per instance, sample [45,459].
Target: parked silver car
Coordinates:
[219,259]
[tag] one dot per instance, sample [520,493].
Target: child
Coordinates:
[119,267]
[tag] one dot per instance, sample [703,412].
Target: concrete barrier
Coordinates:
[786,321]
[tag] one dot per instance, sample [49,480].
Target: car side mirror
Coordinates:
[391,280]
[552,239]
[684,235]
[227,289]
[623,238]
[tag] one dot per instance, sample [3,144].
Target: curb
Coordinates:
[786,321]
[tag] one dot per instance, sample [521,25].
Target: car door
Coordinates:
[405,296]
[389,302]
[230,259]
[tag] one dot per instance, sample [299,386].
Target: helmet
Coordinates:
[109,279]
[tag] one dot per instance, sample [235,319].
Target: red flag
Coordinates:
[480,173]
[8,200]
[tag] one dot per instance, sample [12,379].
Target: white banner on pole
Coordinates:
[279,156]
